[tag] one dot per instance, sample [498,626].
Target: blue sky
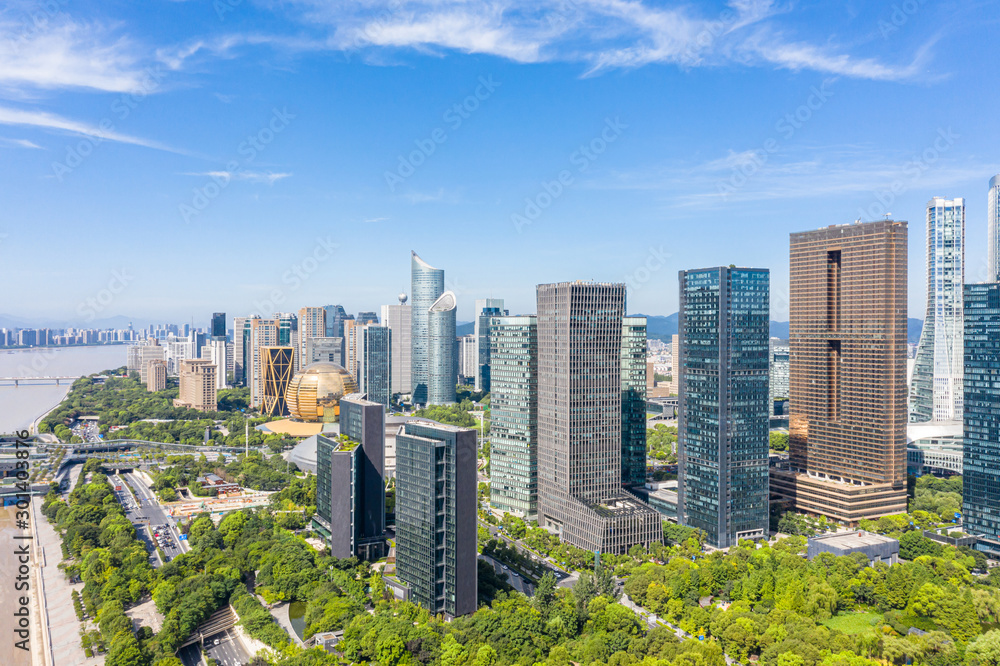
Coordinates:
[171,159]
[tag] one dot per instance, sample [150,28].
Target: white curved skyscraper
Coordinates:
[993,223]
[936,389]
[427,285]
[442,372]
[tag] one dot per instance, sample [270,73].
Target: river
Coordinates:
[21,405]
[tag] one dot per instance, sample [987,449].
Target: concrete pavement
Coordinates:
[226,649]
[62,625]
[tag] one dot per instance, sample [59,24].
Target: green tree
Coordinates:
[486,656]
[985,650]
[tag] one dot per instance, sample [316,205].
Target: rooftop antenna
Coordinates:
[888,216]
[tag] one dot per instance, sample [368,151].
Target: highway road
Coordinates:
[226,649]
[158,516]
[516,581]
[148,516]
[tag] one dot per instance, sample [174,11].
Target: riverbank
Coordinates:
[33,430]
[23,407]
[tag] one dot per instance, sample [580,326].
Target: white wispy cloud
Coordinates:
[805,173]
[44,119]
[21,143]
[268,177]
[58,52]
[601,34]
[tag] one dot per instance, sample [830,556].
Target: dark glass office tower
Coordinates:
[350,489]
[218,325]
[580,493]
[981,463]
[723,421]
[633,401]
[514,413]
[335,317]
[427,285]
[436,515]
[375,363]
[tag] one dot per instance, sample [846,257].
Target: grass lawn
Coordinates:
[853,623]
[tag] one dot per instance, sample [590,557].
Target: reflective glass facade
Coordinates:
[993,224]
[427,285]
[375,363]
[981,465]
[436,516]
[936,387]
[723,422]
[442,365]
[514,413]
[485,309]
[633,401]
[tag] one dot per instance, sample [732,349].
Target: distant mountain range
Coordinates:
[661,328]
[119,321]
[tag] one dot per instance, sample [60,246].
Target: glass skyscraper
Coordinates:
[375,363]
[936,386]
[485,308]
[847,376]
[442,363]
[993,224]
[514,413]
[335,316]
[350,489]
[427,285]
[723,422]
[981,464]
[633,401]
[400,321]
[218,325]
[580,495]
[436,516]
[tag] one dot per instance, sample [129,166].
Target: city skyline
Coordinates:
[656,133]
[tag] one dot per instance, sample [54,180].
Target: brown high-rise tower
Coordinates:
[847,374]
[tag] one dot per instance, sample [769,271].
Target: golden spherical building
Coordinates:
[315,391]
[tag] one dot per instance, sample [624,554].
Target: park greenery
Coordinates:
[457,414]
[255,470]
[124,403]
[778,440]
[661,443]
[764,601]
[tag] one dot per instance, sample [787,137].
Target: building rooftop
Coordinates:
[857,539]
